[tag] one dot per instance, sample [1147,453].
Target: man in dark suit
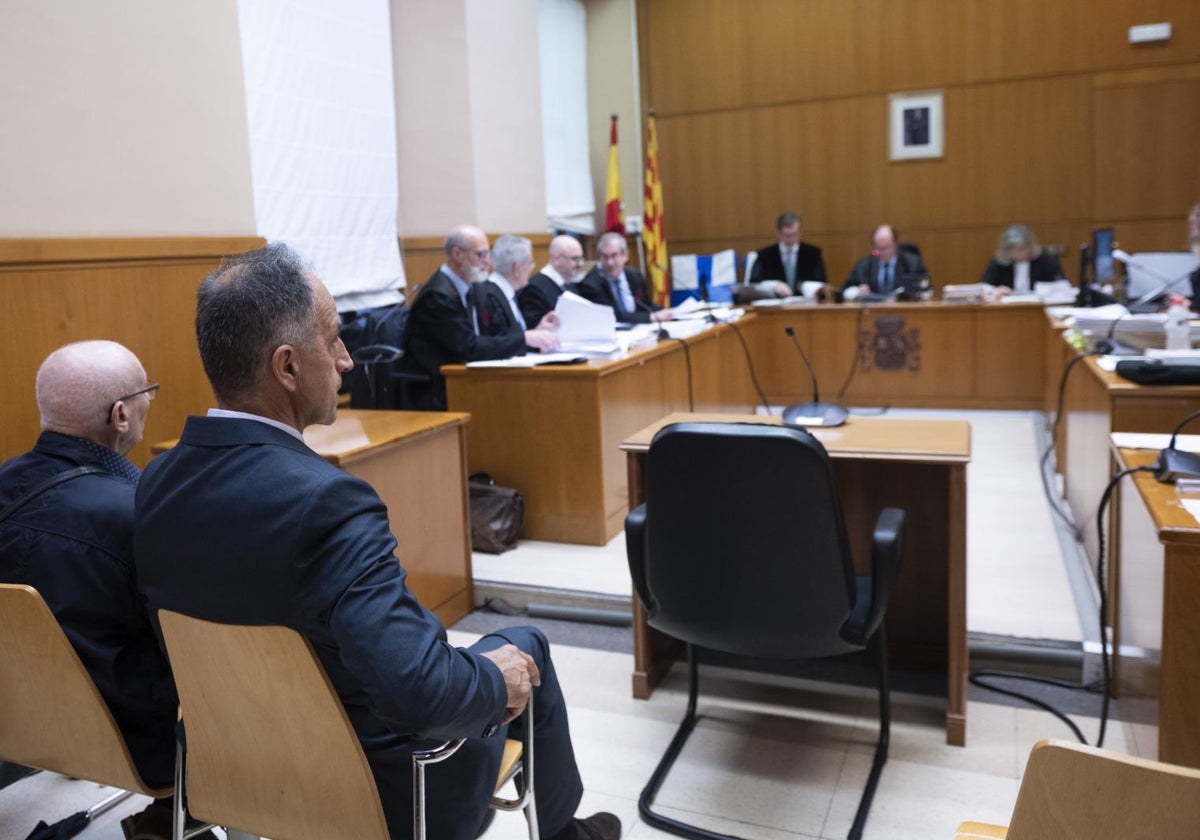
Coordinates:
[545,287]
[888,270]
[443,327]
[73,542]
[780,268]
[610,283]
[496,299]
[242,523]
[1020,262]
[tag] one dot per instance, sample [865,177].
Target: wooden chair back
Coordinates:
[1074,791]
[270,750]
[51,714]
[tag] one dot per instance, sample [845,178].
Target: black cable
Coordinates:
[975,676]
[1043,463]
[749,362]
[857,353]
[687,358]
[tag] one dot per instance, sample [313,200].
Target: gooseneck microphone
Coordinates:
[1173,463]
[815,413]
[661,332]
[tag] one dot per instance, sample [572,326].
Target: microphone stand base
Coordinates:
[814,414]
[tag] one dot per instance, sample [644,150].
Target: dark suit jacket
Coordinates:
[440,332]
[74,544]
[595,287]
[241,523]
[539,297]
[769,265]
[1044,269]
[909,272]
[495,315]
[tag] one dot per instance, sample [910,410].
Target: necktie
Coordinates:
[885,285]
[789,268]
[622,295]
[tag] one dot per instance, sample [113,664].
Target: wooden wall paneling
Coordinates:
[1145,148]
[714,55]
[146,303]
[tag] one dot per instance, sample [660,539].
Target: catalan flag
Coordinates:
[653,233]
[613,220]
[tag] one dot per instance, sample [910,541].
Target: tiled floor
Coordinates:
[798,773]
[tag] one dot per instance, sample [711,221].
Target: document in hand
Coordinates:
[585,326]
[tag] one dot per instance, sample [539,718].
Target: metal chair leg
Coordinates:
[668,760]
[881,747]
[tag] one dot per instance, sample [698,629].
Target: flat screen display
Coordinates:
[1102,256]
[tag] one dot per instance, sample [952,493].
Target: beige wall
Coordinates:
[613,89]
[506,115]
[122,118]
[468,115]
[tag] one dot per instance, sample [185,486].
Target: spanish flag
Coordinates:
[653,234]
[613,221]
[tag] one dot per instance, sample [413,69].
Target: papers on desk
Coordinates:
[1029,297]
[790,299]
[530,360]
[1139,440]
[586,328]
[968,293]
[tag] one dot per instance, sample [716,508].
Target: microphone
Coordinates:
[1165,283]
[815,413]
[1172,463]
[661,332]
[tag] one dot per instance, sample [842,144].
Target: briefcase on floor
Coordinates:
[497,514]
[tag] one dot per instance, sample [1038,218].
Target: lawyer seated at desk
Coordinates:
[889,271]
[783,267]
[443,327]
[1020,263]
[496,309]
[610,283]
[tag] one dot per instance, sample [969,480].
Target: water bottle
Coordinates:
[1178,325]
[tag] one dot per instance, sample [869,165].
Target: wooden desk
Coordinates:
[1156,566]
[553,432]
[416,461]
[1097,404]
[924,355]
[918,465]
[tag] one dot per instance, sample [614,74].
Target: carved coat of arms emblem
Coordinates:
[891,347]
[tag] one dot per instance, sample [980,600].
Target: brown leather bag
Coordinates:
[497,514]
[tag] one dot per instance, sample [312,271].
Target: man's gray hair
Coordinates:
[612,236]
[510,251]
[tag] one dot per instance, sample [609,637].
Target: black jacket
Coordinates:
[595,287]
[540,297]
[768,265]
[909,272]
[1044,269]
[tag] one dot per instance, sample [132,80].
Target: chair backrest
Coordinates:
[1071,790]
[51,714]
[746,546]
[270,750]
[748,269]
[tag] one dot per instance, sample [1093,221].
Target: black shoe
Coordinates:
[599,826]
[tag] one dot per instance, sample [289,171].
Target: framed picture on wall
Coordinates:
[916,127]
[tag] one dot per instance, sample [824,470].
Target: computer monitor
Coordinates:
[1102,256]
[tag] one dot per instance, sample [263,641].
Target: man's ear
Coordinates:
[120,417]
[285,366]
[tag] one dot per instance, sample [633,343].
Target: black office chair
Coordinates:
[772,578]
[374,338]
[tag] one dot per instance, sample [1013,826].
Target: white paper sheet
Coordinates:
[1140,440]
[581,320]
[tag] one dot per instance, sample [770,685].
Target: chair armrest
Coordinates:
[635,550]
[887,546]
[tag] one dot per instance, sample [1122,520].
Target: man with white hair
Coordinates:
[496,308]
[72,540]
[541,294]
[443,328]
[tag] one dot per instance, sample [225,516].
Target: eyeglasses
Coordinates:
[483,255]
[150,390]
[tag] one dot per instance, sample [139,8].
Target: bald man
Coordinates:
[73,542]
[443,329]
[545,287]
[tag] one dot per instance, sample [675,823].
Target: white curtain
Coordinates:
[562,51]
[320,111]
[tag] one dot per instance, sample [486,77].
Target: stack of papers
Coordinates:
[530,360]
[1060,291]
[972,293]
[585,327]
